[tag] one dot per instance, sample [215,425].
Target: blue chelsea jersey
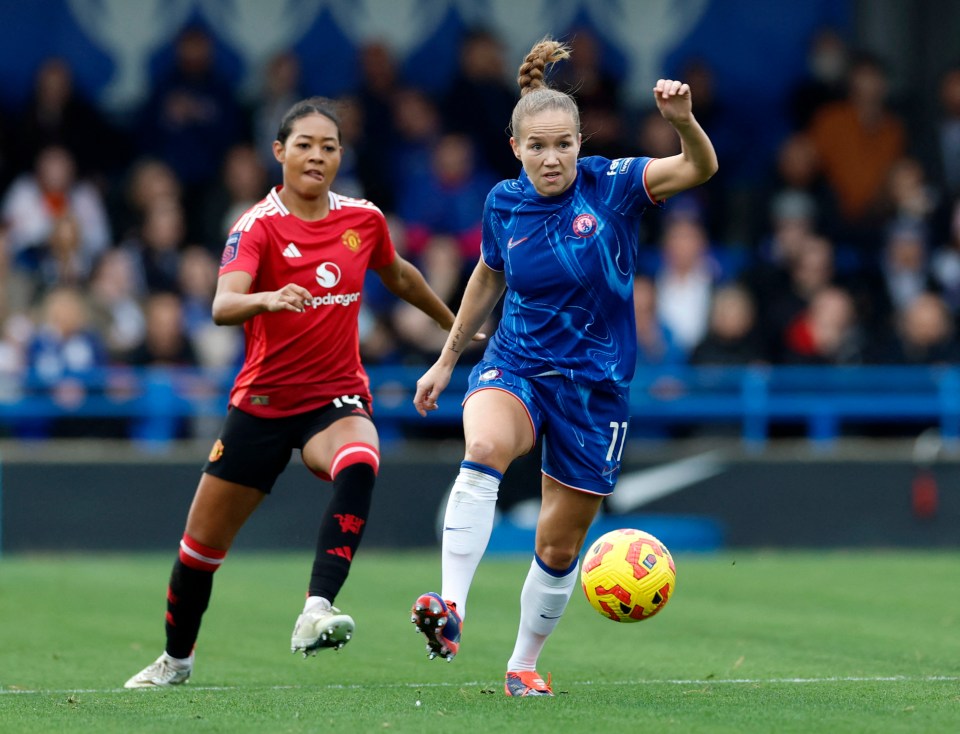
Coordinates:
[569,264]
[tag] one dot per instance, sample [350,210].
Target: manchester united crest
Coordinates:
[351,240]
[216,452]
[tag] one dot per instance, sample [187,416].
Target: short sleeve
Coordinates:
[622,184]
[241,252]
[384,251]
[490,243]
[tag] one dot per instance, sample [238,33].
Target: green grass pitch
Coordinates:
[750,642]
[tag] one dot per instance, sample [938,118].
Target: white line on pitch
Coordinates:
[665,681]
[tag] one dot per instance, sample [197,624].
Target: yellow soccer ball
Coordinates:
[628,575]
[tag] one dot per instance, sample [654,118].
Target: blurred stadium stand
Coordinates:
[750,403]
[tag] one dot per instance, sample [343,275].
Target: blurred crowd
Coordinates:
[842,247]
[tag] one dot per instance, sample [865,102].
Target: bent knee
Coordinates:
[557,557]
[490,453]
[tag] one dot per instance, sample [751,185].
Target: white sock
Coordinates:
[180,663]
[467,525]
[542,602]
[316,602]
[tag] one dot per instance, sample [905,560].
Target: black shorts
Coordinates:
[254,451]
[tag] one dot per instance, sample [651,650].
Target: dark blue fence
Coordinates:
[819,403]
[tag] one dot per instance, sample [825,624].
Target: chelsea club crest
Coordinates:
[584,225]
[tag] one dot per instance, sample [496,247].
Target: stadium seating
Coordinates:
[815,402]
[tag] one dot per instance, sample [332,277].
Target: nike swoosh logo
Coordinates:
[641,487]
[511,244]
[544,616]
[466,527]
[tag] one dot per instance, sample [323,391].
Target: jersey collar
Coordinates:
[274,197]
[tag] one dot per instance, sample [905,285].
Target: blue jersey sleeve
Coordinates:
[491,228]
[622,183]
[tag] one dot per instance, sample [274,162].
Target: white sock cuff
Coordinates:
[477,483]
[551,577]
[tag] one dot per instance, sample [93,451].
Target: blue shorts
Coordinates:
[584,428]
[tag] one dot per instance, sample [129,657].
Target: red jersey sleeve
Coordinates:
[384,252]
[242,251]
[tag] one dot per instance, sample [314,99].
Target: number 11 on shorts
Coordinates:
[618,430]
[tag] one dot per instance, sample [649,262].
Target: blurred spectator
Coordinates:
[115,302]
[418,129]
[808,272]
[583,75]
[156,248]
[379,80]
[656,345]
[349,182]
[685,281]
[655,137]
[215,346]
[793,216]
[908,196]
[603,132]
[378,343]
[242,183]
[481,98]
[948,133]
[732,337]
[191,119]
[57,115]
[59,260]
[828,61]
[165,340]
[35,201]
[147,181]
[768,276]
[858,141]
[924,334]
[166,344]
[945,263]
[64,357]
[797,175]
[904,268]
[448,198]
[827,332]
[280,88]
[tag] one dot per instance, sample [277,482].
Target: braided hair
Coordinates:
[536,95]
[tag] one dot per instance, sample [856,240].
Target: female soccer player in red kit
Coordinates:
[292,273]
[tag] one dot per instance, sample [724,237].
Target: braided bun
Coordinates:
[531,74]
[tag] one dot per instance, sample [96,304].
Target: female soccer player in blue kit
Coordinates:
[562,241]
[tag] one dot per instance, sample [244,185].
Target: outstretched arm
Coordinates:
[697,161]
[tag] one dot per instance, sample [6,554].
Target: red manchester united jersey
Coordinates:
[296,362]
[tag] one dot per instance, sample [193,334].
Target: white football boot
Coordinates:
[321,625]
[165,671]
